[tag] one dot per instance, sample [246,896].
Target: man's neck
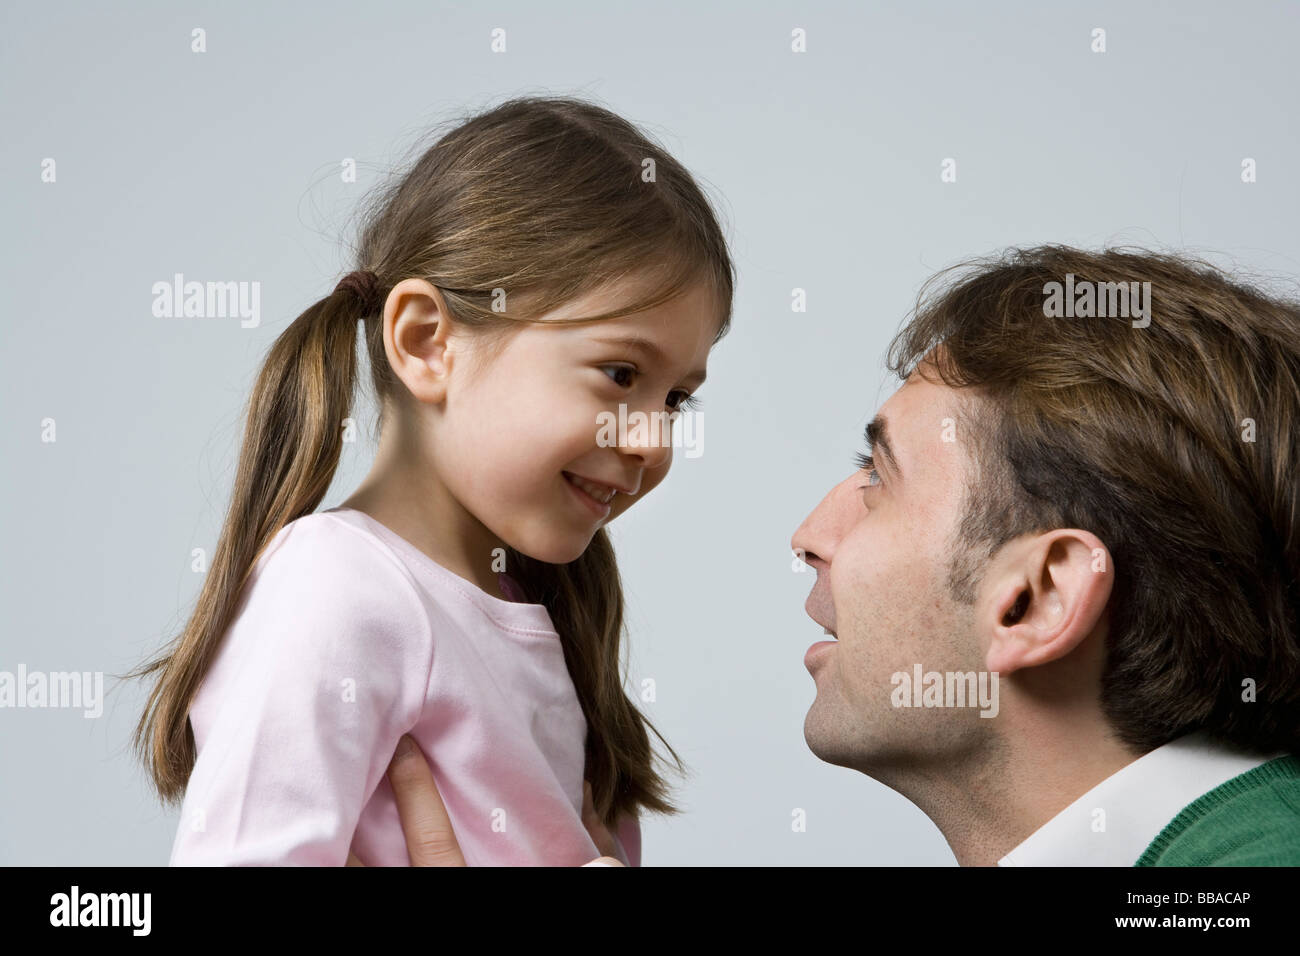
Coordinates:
[988,803]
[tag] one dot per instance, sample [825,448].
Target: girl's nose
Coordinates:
[652,455]
[652,443]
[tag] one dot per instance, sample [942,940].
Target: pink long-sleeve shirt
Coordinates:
[346,637]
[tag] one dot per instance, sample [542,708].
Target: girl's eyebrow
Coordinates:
[656,354]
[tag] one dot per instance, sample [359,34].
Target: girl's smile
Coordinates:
[599,508]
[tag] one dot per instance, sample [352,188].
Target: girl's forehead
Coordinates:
[685,324]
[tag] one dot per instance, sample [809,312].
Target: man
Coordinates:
[1066,591]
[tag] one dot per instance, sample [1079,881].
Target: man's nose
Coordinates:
[816,537]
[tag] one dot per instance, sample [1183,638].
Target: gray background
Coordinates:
[826,165]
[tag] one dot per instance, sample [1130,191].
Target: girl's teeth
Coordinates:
[600,494]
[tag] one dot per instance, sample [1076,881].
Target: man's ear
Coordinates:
[1047,595]
[418,338]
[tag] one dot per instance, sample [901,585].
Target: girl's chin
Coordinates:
[558,552]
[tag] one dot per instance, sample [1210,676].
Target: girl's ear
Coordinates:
[419,339]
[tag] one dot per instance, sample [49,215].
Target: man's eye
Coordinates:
[867,463]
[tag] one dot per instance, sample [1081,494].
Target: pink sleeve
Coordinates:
[329,666]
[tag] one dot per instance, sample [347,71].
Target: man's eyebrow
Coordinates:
[649,348]
[877,436]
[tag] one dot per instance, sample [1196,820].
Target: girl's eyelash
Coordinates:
[692,402]
[867,463]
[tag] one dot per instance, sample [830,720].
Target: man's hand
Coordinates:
[599,834]
[429,837]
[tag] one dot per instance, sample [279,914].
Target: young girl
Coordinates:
[540,266]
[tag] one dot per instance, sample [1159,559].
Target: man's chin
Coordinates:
[822,740]
[829,743]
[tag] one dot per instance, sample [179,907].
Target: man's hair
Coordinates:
[1177,444]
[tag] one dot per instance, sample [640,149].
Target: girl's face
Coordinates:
[504,435]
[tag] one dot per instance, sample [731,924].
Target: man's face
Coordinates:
[881,542]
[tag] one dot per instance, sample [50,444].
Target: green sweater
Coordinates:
[1251,820]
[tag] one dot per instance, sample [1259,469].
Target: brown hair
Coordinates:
[550,199]
[1140,435]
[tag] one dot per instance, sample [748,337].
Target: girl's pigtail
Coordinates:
[291,448]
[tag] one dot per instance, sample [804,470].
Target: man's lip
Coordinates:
[808,611]
[814,653]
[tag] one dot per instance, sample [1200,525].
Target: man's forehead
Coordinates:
[917,414]
[907,401]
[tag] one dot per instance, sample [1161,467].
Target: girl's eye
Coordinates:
[686,401]
[867,463]
[692,402]
[621,368]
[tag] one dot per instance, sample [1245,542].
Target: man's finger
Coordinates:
[430,840]
[596,828]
